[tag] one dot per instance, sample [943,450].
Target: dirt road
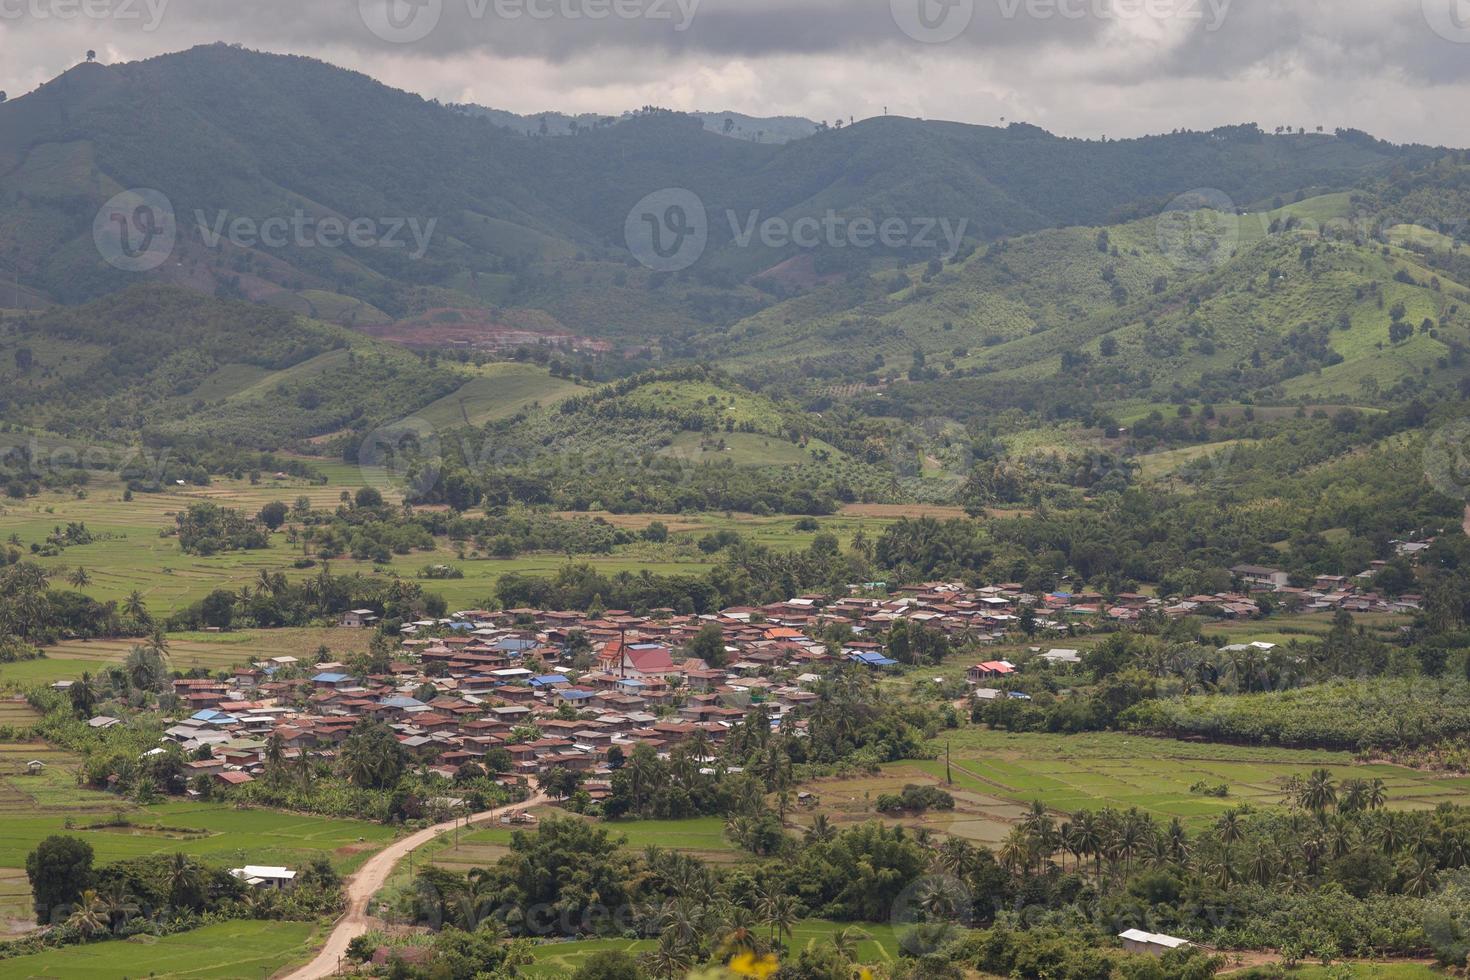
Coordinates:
[362,886]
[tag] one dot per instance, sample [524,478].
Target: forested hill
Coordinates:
[222,130]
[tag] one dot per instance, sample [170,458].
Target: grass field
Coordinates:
[1098,770]
[213,651]
[498,392]
[560,959]
[132,553]
[228,951]
[34,807]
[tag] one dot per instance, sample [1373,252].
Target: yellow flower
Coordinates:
[865,974]
[749,965]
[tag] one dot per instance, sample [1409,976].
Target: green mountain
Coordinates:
[226,133]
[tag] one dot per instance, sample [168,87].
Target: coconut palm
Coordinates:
[1088,836]
[134,608]
[670,960]
[821,830]
[1388,834]
[182,877]
[79,577]
[119,902]
[845,941]
[1262,866]
[90,916]
[781,912]
[956,856]
[1419,876]
[1319,791]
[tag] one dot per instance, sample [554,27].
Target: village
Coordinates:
[579,691]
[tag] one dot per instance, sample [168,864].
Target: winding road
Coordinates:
[370,878]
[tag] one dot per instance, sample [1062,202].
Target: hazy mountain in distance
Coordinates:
[756,129]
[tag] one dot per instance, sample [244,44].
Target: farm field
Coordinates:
[228,951]
[498,391]
[212,651]
[703,837]
[561,959]
[32,807]
[133,555]
[1092,771]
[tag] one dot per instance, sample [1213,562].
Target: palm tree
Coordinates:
[1231,828]
[1388,834]
[1089,837]
[781,913]
[956,856]
[1377,794]
[1419,877]
[79,577]
[182,877]
[90,917]
[1319,792]
[1261,868]
[821,830]
[670,959]
[845,941]
[119,902]
[1178,839]
[134,608]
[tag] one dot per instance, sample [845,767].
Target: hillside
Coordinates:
[224,133]
[169,366]
[1297,313]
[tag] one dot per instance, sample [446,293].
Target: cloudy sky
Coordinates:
[1397,68]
